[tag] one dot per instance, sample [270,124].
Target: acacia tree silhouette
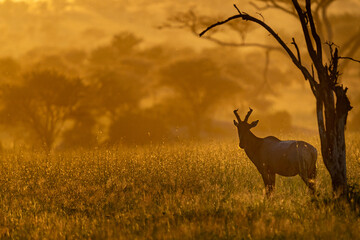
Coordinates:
[197,100]
[42,104]
[332,103]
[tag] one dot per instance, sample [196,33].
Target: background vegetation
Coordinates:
[121,93]
[70,83]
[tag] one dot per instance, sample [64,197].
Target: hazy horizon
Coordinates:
[43,33]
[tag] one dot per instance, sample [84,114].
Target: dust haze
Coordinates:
[84,73]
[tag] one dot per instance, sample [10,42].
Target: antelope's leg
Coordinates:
[312,181]
[309,179]
[269,181]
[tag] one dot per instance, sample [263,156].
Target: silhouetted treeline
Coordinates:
[122,92]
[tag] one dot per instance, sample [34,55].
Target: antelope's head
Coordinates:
[244,127]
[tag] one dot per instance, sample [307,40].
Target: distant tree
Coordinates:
[124,46]
[75,57]
[197,86]
[9,70]
[118,75]
[42,104]
[260,86]
[54,62]
[70,61]
[82,132]
[117,93]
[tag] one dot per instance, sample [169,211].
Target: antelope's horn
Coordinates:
[248,115]
[237,115]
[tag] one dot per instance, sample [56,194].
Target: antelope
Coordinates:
[272,156]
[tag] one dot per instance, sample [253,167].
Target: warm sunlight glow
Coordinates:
[119,121]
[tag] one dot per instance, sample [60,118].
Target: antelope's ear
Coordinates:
[254,123]
[236,123]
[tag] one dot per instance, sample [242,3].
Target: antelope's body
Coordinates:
[272,156]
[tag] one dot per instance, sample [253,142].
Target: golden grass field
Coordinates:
[170,191]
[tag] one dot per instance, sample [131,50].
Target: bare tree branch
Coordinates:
[351,49]
[247,17]
[350,58]
[297,49]
[314,32]
[303,20]
[237,9]
[320,14]
[220,23]
[312,85]
[191,22]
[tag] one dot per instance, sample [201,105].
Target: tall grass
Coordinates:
[180,191]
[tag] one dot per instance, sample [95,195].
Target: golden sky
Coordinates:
[68,21]
[85,24]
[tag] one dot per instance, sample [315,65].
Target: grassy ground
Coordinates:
[181,191]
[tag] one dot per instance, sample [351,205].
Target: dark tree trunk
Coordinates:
[332,137]
[332,97]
